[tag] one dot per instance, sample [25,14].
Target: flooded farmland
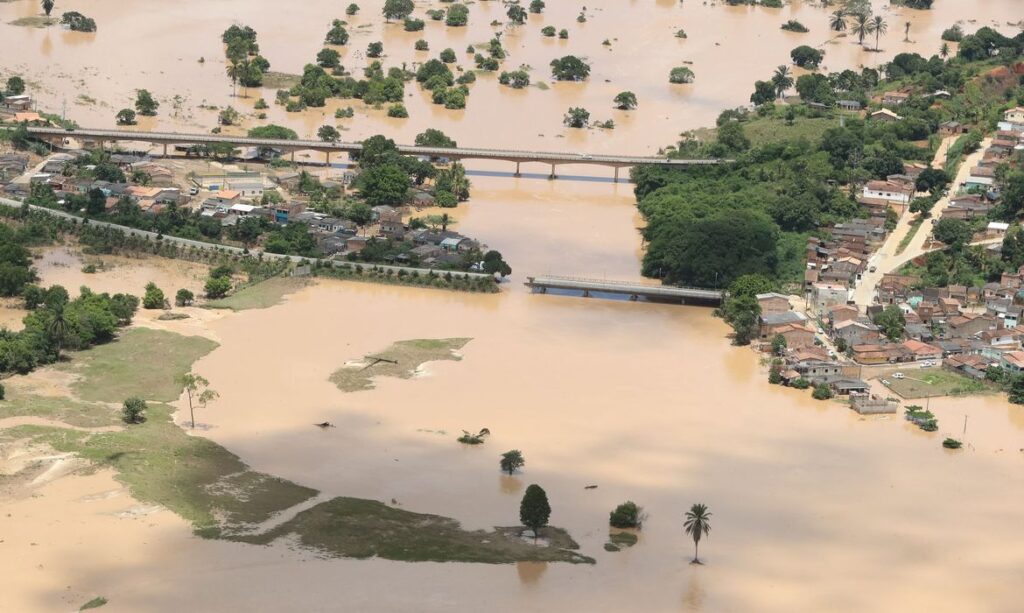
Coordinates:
[815,508]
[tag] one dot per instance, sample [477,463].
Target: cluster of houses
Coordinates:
[805,357]
[967,329]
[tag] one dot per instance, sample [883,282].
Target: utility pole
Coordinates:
[965,424]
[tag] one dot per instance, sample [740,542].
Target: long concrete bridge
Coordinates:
[100,138]
[635,291]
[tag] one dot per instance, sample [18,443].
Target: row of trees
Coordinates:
[55,321]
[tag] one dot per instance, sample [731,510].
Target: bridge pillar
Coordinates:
[517,169]
[633,297]
[165,149]
[586,293]
[616,174]
[293,156]
[328,153]
[552,176]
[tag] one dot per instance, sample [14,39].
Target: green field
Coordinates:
[262,295]
[140,362]
[219,494]
[925,383]
[399,360]
[763,130]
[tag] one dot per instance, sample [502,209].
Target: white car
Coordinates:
[586,156]
[897,375]
[885,382]
[927,364]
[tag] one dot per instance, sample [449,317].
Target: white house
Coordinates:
[887,190]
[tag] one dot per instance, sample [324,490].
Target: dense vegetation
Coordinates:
[710,225]
[56,321]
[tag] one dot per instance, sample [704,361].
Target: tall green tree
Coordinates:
[198,392]
[517,14]
[697,525]
[861,26]
[878,27]
[837,20]
[397,9]
[534,510]
[145,104]
[782,80]
[47,7]
[57,328]
[511,461]
[625,101]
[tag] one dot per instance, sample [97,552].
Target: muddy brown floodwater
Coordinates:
[814,508]
[158,46]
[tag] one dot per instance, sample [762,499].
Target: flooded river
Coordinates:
[814,508]
[157,45]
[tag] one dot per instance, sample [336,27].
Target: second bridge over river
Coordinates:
[634,291]
[101,138]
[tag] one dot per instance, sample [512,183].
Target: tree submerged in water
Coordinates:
[468,438]
[697,525]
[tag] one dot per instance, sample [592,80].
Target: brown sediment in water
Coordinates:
[814,507]
[727,47]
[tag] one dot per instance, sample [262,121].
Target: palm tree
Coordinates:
[861,26]
[235,70]
[697,524]
[878,27]
[944,50]
[445,220]
[58,326]
[782,80]
[837,21]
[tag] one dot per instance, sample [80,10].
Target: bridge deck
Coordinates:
[634,290]
[169,138]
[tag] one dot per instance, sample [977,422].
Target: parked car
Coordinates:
[885,382]
[897,375]
[872,269]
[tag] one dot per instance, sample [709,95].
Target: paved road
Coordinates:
[886,260]
[298,259]
[512,155]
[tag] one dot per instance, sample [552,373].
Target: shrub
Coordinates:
[472,439]
[398,110]
[413,25]
[626,515]
[153,298]
[448,56]
[822,392]
[801,383]
[794,26]
[563,34]
[954,34]
[217,287]
[681,74]
[133,411]
[421,45]
[184,298]
[680,33]
[548,31]
[952,443]
[3,392]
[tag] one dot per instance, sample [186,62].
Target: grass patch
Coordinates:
[95,603]
[192,476]
[173,316]
[65,410]
[262,295]
[37,21]
[141,362]
[764,130]
[280,80]
[925,383]
[221,497]
[400,360]
[357,528]
[914,227]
